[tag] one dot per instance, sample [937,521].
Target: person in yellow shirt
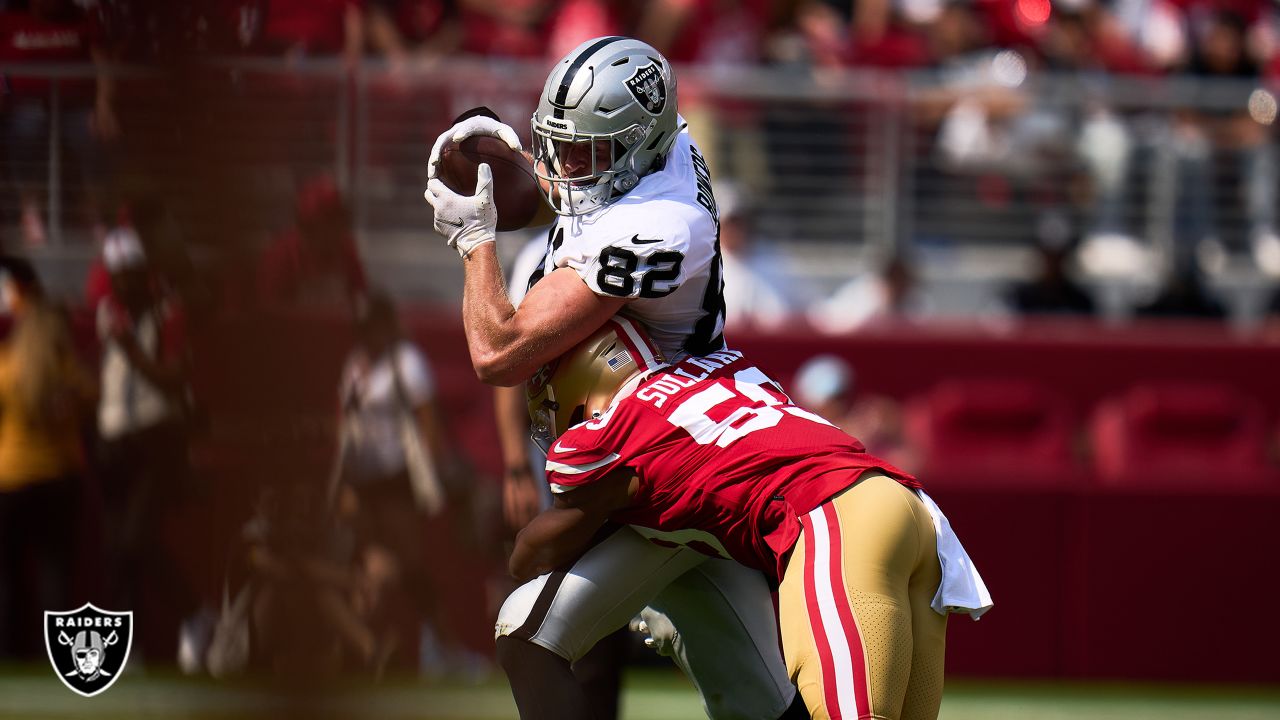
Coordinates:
[45,397]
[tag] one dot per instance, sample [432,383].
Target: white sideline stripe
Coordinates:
[831,625]
[566,469]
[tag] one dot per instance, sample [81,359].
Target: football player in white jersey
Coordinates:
[637,237]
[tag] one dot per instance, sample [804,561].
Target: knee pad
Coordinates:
[518,606]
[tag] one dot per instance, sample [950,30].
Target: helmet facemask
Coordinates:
[582,172]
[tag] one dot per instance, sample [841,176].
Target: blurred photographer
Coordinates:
[45,396]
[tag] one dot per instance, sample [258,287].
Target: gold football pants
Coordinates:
[858,635]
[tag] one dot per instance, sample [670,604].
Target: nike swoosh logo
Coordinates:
[637,241]
[451,223]
[562,449]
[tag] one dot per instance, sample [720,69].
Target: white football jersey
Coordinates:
[658,244]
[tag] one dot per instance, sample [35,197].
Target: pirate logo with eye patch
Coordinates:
[88,646]
[649,89]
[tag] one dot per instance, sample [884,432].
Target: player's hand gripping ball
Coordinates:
[459,152]
[467,221]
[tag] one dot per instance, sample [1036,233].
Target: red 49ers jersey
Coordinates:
[726,463]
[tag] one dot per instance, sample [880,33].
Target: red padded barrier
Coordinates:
[1173,434]
[995,428]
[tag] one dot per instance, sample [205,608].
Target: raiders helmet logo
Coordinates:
[88,646]
[648,87]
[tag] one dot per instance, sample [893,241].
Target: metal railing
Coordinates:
[853,164]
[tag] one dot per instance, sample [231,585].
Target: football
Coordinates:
[515,188]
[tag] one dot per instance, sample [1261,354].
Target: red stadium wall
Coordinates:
[1153,575]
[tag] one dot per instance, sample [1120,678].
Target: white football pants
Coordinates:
[714,617]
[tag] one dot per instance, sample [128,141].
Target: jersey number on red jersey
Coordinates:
[759,405]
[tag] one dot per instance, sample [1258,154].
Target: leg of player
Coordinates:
[541,682]
[599,674]
[724,610]
[859,637]
[555,619]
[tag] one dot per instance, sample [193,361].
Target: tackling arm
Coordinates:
[508,345]
[559,535]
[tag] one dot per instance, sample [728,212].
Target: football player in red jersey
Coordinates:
[709,453]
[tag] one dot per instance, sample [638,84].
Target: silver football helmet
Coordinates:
[606,115]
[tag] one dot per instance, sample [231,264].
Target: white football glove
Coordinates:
[478,125]
[660,635]
[467,221]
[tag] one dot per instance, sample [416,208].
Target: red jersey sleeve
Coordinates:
[579,457]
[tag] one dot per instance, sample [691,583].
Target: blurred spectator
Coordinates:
[403,29]
[393,448]
[1204,138]
[1184,295]
[887,34]
[303,573]
[316,262]
[705,32]
[1086,36]
[506,28]
[144,418]
[577,21]
[826,384]
[1105,146]
[148,220]
[52,31]
[161,33]
[309,28]
[890,294]
[1052,290]
[823,384]
[45,397]
[751,298]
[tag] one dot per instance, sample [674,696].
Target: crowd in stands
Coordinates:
[1235,37]
[987,131]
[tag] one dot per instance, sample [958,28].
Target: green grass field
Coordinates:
[34,694]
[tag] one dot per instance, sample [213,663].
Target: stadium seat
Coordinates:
[994,431]
[1180,434]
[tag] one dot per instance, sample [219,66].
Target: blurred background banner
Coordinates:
[1025,250]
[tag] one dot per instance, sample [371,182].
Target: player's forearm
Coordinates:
[554,538]
[488,318]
